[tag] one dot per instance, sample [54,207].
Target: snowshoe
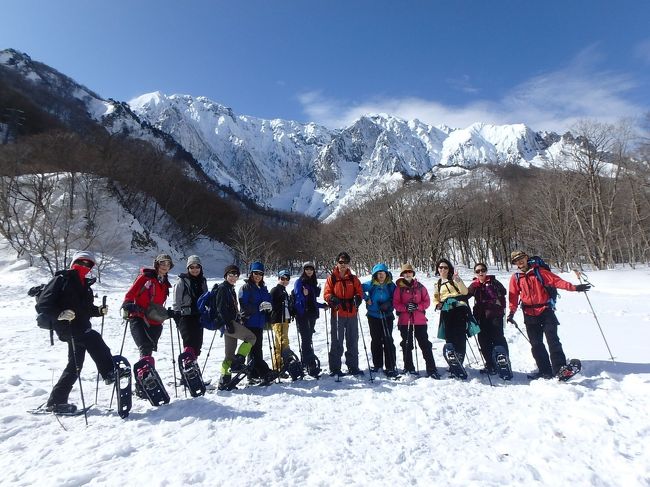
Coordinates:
[502,362]
[191,374]
[392,374]
[356,372]
[539,375]
[150,384]
[569,370]
[123,391]
[433,374]
[236,378]
[60,410]
[313,367]
[292,364]
[456,369]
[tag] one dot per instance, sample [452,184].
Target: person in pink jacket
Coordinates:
[411,301]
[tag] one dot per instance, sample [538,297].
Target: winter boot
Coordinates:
[238,363]
[224,382]
[144,370]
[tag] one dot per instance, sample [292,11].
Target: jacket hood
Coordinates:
[401,282]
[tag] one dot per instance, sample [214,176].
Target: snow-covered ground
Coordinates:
[594,430]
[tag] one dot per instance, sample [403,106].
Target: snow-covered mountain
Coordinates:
[311,169]
[282,164]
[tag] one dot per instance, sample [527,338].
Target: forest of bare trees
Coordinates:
[588,206]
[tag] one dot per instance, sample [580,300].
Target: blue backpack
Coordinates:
[207,307]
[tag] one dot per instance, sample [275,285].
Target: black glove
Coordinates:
[583,288]
[511,318]
[334,301]
[411,307]
[131,307]
[173,314]
[357,301]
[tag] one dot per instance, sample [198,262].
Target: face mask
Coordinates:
[82,270]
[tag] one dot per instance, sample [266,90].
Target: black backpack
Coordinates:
[43,320]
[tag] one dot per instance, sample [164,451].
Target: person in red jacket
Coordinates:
[344,295]
[150,287]
[539,313]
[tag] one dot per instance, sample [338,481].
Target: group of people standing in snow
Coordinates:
[245,315]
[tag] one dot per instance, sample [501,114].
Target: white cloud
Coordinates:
[549,101]
[642,51]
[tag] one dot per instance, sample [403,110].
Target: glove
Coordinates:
[384,306]
[230,326]
[411,307]
[357,301]
[583,288]
[334,301]
[265,306]
[103,310]
[131,307]
[66,315]
[511,318]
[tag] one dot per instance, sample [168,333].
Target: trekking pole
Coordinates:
[209,350]
[388,339]
[171,336]
[487,372]
[298,336]
[274,362]
[126,325]
[412,337]
[363,339]
[101,332]
[580,276]
[178,338]
[76,366]
[471,349]
[512,320]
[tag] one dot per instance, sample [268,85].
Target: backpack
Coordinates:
[207,307]
[535,262]
[43,320]
[291,304]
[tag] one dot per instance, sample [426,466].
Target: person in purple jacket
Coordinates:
[411,300]
[489,309]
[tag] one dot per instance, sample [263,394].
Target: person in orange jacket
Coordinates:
[528,285]
[343,293]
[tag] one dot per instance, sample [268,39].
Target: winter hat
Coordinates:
[309,263]
[516,255]
[84,255]
[162,257]
[406,268]
[193,260]
[343,256]
[257,266]
[230,268]
[284,273]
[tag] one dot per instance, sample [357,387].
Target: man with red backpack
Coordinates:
[533,286]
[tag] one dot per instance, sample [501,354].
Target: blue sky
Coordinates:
[546,64]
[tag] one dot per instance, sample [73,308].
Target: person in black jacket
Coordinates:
[280,318]
[67,301]
[188,289]
[228,314]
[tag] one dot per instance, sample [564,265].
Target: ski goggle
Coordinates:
[85,263]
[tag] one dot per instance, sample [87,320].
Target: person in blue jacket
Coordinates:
[255,305]
[305,291]
[378,294]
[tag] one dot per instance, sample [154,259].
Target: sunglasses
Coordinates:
[284,278]
[257,273]
[443,267]
[344,262]
[233,274]
[480,271]
[194,267]
[85,263]
[166,263]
